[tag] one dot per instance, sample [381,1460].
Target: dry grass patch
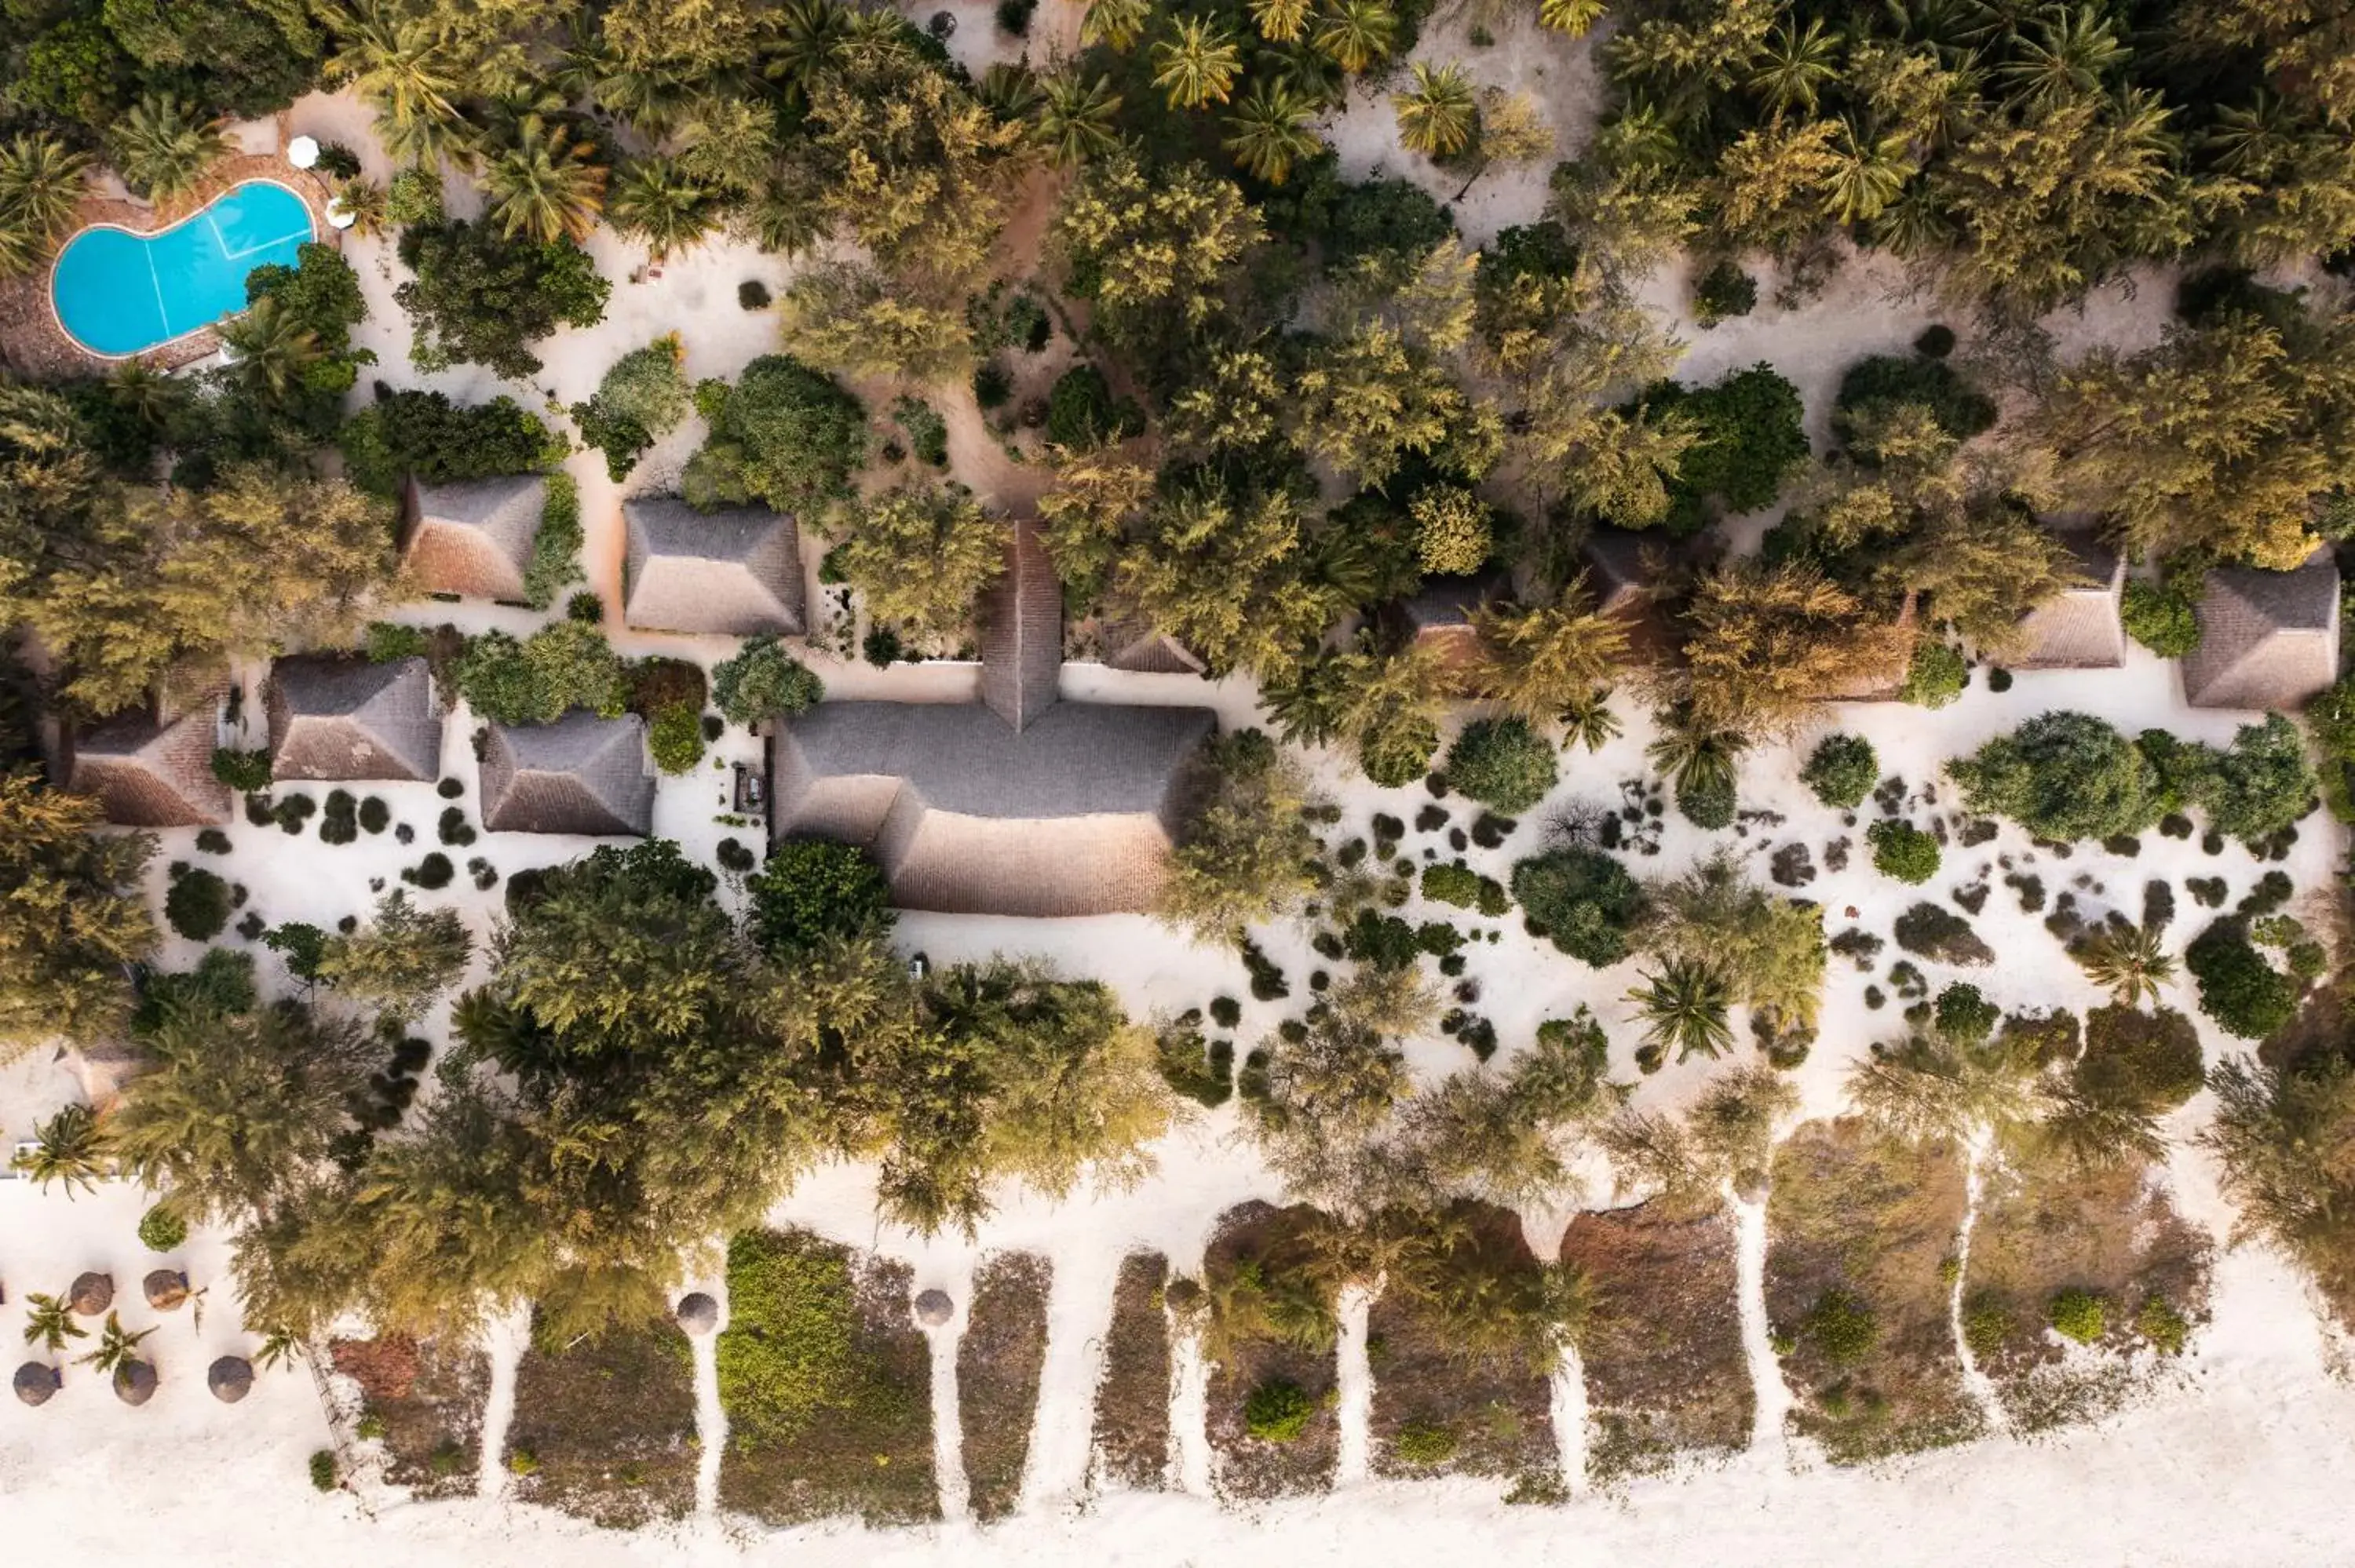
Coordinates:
[2108,1248]
[1004,1345]
[1666,1378]
[604,1428]
[1269,1331]
[424,1399]
[1860,1233]
[827,1384]
[1132,1414]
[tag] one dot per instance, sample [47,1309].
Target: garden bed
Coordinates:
[827,1386]
[1860,1233]
[604,1429]
[1004,1345]
[1132,1413]
[2045,1228]
[1666,1377]
[1259,1275]
[424,1399]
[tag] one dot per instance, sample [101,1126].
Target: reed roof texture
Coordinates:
[348,718]
[148,772]
[1022,631]
[581,775]
[2268,639]
[2081,628]
[473,539]
[736,573]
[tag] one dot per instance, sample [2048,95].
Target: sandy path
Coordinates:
[948,1426]
[1189,1409]
[1568,1411]
[504,1340]
[1354,1461]
[1772,1395]
[1980,1387]
[710,1416]
[1079,1315]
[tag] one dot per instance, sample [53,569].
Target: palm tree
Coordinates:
[117,1347]
[278,1348]
[2127,959]
[49,1321]
[653,202]
[546,185]
[806,34]
[2069,56]
[1869,175]
[1575,17]
[2281,1135]
[1115,24]
[1281,21]
[1076,117]
[1357,33]
[161,148]
[1010,92]
[1197,64]
[395,62]
[1684,1005]
[1437,115]
[2250,142]
[71,1147]
[1795,65]
[1696,756]
[364,200]
[18,247]
[1588,721]
[1269,131]
[41,184]
[146,394]
[1541,661]
[275,349]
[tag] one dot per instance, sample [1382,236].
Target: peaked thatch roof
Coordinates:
[2268,639]
[736,573]
[150,773]
[1622,568]
[473,539]
[2080,630]
[1133,643]
[1022,631]
[580,775]
[347,718]
[1071,815]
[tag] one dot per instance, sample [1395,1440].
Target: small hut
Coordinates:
[348,718]
[230,1379]
[473,539]
[91,1294]
[2083,628]
[582,775]
[736,573]
[698,1314]
[933,1309]
[134,1383]
[166,1289]
[2268,639]
[1439,614]
[1624,572]
[35,1382]
[149,769]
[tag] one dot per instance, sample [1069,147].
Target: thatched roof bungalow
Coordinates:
[472,539]
[581,775]
[2268,639]
[149,770]
[736,573]
[348,718]
[1021,617]
[2083,628]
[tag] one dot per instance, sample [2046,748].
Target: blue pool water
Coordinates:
[118,292]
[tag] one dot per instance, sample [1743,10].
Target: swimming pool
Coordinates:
[117,292]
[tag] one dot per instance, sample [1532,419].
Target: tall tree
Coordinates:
[72,921]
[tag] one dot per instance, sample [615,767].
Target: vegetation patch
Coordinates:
[1666,1379]
[827,1386]
[1856,1290]
[608,1424]
[1004,1345]
[1267,1319]
[425,1399]
[1132,1416]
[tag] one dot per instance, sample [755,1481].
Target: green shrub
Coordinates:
[477,296]
[1724,292]
[369,1427]
[375,815]
[198,905]
[1933,931]
[2161,616]
[1203,1074]
[1083,414]
[323,1469]
[453,829]
[1964,1016]
[763,681]
[339,817]
[1423,1443]
[1751,439]
[1396,751]
[2062,776]
[674,740]
[1457,884]
[441,442]
[992,387]
[2150,1060]
[753,294]
[292,812]
[2079,1315]
[1986,1324]
[641,397]
[1708,800]
[1936,677]
[555,562]
[810,891]
[431,873]
[1903,852]
[160,1230]
[1582,900]
[1277,1411]
[388,641]
[2252,789]
[784,435]
[559,667]
[1936,341]
[1872,387]
[928,433]
[1842,1326]
[2245,995]
[1841,770]
[245,771]
[523,1462]
[2158,1322]
[212,840]
[1502,763]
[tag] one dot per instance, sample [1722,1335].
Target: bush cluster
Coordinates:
[1582,900]
[2161,616]
[1457,884]
[2063,777]
[198,905]
[763,681]
[1841,770]
[1277,1411]
[1936,676]
[1903,852]
[2079,1315]
[1502,763]
[2246,996]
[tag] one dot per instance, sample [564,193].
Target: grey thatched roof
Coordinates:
[150,773]
[735,573]
[473,539]
[1133,643]
[1071,815]
[1444,604]
[1622,568]
[2080,629]
[580,775]
[1022,631]
[2268,639]
[347,718]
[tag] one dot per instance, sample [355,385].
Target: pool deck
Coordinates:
[31,341]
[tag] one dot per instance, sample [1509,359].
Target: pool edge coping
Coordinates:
[49,285]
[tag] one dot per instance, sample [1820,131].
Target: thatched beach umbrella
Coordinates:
[134,1383]
[230,1379]
[91,1294]
[34,1382]
[166,1289]
[697,1313]
[933,1309]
